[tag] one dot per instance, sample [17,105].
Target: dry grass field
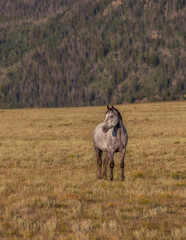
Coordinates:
[48,185]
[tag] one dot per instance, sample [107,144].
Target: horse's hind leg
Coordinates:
[122,164]
[99,162]
[105,163]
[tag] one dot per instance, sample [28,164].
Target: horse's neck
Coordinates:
[120,124]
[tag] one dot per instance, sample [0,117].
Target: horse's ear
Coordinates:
[108,107]
[113,107]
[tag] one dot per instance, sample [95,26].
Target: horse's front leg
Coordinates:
[111,166]
[122,164]
[105,163]
[99,162]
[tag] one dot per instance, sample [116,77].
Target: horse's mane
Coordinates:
[119,114]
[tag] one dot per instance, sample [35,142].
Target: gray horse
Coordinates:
[110,137]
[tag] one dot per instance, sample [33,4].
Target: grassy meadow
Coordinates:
[48,185]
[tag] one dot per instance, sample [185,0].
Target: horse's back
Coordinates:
[125,136]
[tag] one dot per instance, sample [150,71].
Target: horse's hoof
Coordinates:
[111,179]
[123,179]
[104,177]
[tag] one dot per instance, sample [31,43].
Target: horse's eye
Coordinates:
[111,116]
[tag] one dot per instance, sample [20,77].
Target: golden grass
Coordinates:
[48,185]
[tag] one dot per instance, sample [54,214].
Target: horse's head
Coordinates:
[112,118]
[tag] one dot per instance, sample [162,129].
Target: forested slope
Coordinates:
[83,52]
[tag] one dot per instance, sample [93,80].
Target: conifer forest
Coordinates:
[61,53]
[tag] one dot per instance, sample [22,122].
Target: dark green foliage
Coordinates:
[82,52]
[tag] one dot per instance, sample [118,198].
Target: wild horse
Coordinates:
[110,136]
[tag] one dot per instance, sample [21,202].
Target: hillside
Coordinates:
[82,52]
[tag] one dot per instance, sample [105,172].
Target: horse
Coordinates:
[110,136]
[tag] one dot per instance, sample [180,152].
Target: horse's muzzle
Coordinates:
[105,129]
